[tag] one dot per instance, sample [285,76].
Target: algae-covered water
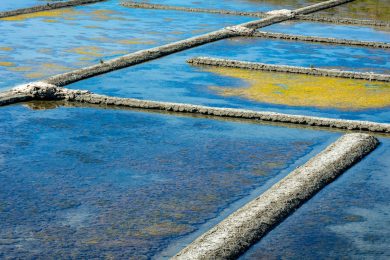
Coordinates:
[30,49]
[361,9]
[348,219]
[38,45]
[86,182]
[172,79]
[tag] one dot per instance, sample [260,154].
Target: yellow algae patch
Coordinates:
[46,69]
[135,41]
[165,229]
[88,50]
[86,58]
[92,27]
[102,39]
[304,90]
[50,21]
[21,68]
[53,67]
[65,13]
[45,50]
[102,14]
[177,32]
[6,49]
[34,75]
[6,64]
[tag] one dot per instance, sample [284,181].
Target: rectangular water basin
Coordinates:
[87,182]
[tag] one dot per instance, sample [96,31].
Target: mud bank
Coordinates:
[289,69]
[44,91]
[161,51]
[312,18]
[46,7]
[239,231]
[283,36]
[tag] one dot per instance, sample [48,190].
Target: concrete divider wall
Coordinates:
[191,9]
[46,7]
[284,36]
[311,17]
[289,69]
[44,91]
[246,226]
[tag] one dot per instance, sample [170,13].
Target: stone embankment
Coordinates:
[44,91]
[288,69]
[47,7]
[246,226]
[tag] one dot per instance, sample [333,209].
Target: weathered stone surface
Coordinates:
[246,226]
[311,17]
[284,36]
[289,69]
[42,90]
[46,7]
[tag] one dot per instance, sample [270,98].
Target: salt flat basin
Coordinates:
[30,48]
[87,182]
[7,5]
[347,219]
[349,32]
[369,9]
[172,79]
[237,5]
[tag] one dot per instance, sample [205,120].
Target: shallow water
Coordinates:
[37,45]
[85,182]
[240,5]
[361,9]
[348,219]
[172,79]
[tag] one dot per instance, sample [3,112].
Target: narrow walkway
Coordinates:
[292,37]
[47,7]
[288,69]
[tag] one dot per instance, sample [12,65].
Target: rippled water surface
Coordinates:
[172,79]
[37,45]
[348,219]
[85,182]
[359,9]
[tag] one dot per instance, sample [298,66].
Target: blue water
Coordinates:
[349,219]
[240,5]
[86,183]
[172,79]
[367,9]
[45,46]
